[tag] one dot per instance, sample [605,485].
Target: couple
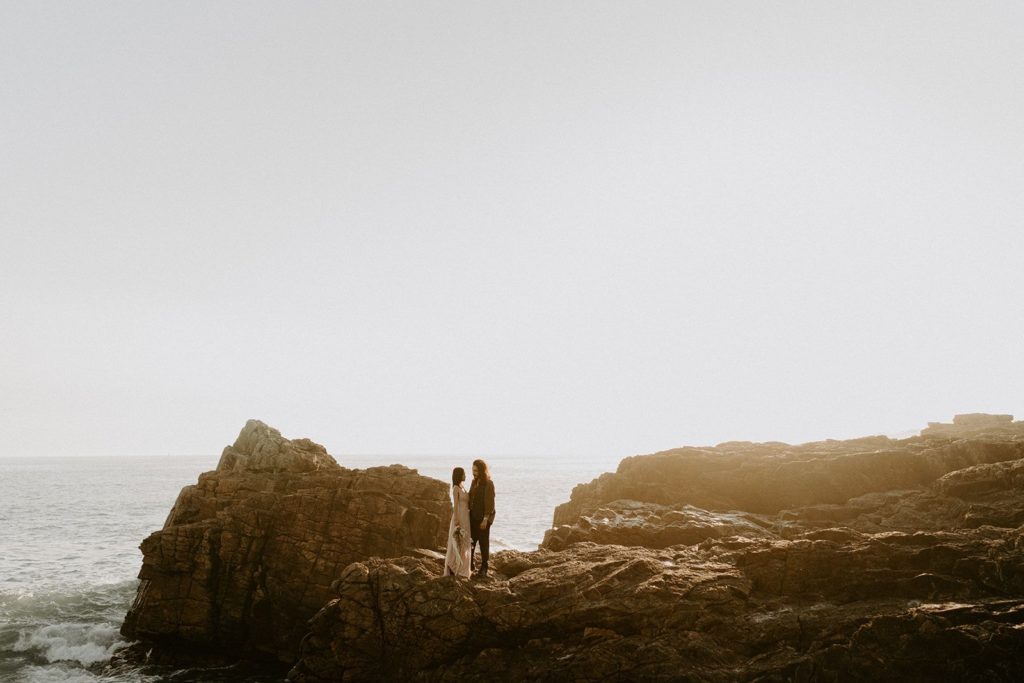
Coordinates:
[472,516]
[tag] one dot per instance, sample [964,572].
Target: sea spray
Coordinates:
[82,642]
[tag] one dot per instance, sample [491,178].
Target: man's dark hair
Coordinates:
[484,470]
[458,476]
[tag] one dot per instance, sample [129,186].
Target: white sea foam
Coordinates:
[61,672]
[69,556]
[56,674]
[83,643]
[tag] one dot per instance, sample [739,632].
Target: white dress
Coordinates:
[456,561]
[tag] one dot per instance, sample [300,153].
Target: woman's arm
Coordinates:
[457,495]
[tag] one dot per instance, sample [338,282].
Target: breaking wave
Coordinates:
[58,635]
[83,643]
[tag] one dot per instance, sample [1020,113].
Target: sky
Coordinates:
[576,229]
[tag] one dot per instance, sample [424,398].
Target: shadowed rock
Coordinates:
[248,554]
[806,609]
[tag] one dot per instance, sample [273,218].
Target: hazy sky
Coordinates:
[526,227]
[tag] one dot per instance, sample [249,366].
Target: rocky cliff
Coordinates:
[868,559]
[248,554]
[952,477]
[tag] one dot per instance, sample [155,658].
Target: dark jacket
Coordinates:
[481,501]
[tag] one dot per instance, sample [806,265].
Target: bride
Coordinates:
[456,561]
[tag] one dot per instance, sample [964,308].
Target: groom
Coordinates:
[481,514]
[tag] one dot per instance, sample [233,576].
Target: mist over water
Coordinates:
[71,528]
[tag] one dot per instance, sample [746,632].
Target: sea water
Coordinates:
[70,530]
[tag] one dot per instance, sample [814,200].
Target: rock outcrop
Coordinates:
[866,559]
[836,607]
[869,559]
[970,424]
[768,478]
[248,554]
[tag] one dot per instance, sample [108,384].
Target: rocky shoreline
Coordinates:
[865,559]
[249,553]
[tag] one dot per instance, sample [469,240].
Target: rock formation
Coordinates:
[904,607]
[768,478]
[248,554]
[971,423]
[868,559]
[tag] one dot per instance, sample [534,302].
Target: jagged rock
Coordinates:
[629,522]
[933,642]
[248,554]
[547,605]
[260,448]
[729,609]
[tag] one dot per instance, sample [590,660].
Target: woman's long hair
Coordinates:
[458,476]
[484,470]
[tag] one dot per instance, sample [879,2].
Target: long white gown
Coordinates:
[456,561]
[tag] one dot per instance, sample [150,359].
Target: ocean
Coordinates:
[70,530]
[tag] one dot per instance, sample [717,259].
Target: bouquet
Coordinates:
[460,536]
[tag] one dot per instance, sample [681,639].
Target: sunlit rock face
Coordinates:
[874,483]
[248,554]
[868,559]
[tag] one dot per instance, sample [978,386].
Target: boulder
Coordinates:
[260,448]
[248,554]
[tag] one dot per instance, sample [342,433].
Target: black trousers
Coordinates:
[483,537]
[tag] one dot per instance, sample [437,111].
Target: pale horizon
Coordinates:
[340,456]
[584,230]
